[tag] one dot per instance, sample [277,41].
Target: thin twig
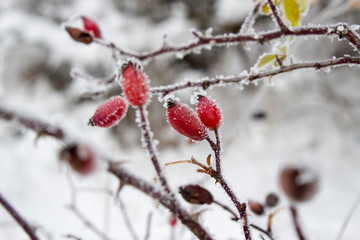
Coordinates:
[294,215]
[151,148]
[241,207]
[250,19]
[235,216]
[340,29]
[148,226]
[18,218]
[348,218]
[72,237]
[279,21]
[87,223]
[127,219]
[207,82]
[262,230]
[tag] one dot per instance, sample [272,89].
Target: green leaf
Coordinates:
[265,59]
[291,10]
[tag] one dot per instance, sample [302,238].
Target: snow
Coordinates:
[313,118]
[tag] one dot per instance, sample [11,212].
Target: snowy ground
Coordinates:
[313,117]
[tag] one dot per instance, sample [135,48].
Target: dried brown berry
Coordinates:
[79,35]
[272,199]
[256,207]
[196,194]
[299,183]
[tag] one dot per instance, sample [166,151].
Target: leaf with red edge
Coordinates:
[79,35]
[91,27]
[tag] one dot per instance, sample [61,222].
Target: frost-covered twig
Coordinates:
[250,19]
[207,82]
[18,218]
[147,138]
[343,30]
[278,19]
[241,207]
[163,198]
[40,127]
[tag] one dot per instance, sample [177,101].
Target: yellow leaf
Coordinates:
[291,11]
[265,9]
[303,4]
[282,49]
[265,59]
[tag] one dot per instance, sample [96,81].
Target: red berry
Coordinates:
[91,27]
[185,121]
[109,113]
[209,112]
[135,84]
[80,157]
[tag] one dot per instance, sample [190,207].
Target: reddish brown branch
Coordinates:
[295,219]
[262,230]
[37,126]
[18,218]
[147,188]
[276,14]
[222,40]
[207,82]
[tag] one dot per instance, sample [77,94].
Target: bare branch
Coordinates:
[279,21]
[18,218]
[294,215]
[148,226]
[250,19]
[207,82]
[127,219]
[340,29]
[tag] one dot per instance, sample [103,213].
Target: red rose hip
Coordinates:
[135,84]
[185,121]
[80,157]
[109,113]
[91,26]
[209,112]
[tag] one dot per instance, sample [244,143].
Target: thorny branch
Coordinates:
[207,82]
[342,30]
[18,218]
[123,175]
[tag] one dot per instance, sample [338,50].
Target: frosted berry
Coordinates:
[196,194]
[80,157]
[109,113]
[185,121]
[209,112]
[299,183]
[135,84]
[91,26]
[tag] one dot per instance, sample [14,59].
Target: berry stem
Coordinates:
[19,219]
[241,207]
[151,149]
[294,215]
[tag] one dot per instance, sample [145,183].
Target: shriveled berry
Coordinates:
[272,199]
[196,194]
[80,157]
[209,112]
[135,84]
[299,183]
[109,113]
[91,26]
[79,35]
[256,207]
[185,121]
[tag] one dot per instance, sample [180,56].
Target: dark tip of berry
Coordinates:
[91,122]
[199,96]
[171,102]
